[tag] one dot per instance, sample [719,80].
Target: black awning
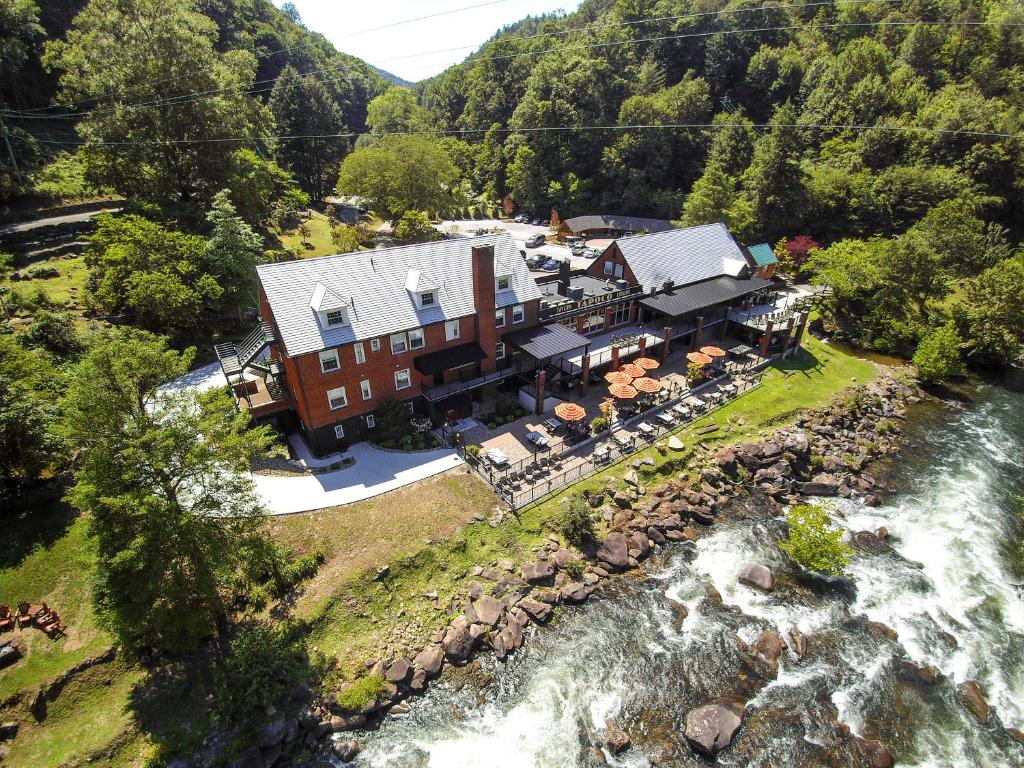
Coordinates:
[451,357]
[688,298]
[546,341]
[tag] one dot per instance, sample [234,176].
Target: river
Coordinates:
[945,587]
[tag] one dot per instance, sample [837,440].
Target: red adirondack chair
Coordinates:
[6,618]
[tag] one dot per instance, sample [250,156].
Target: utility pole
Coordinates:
[7,141]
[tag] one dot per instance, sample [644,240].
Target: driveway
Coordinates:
[520,233]
[50,221]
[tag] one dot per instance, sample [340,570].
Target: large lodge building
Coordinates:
[443,326]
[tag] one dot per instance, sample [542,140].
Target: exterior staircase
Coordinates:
[236,357]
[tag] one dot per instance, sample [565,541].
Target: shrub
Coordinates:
[574,568]
[598,424]
[938,355]
[473,453]
[54,332]
[575,522]
[813,543]
[392,422]
[360,693]
[695,372]
[41,273]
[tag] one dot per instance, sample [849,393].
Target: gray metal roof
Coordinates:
[704,294]
[682,255]
[624,223]
[546,341]
[374,282]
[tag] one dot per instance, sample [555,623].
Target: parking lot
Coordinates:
[520,233]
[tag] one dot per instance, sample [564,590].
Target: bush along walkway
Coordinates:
[824,454]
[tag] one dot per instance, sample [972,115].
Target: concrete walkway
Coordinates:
[375,472]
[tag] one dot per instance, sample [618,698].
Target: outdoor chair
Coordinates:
[44,617]
[55,628]
[28,612]
[6,618]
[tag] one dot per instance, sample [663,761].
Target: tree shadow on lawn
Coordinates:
[38,520]
[803,361]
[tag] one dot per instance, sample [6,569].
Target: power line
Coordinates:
[202,95]
[559,128]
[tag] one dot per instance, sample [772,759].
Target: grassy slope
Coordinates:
[319,242]
[424,533]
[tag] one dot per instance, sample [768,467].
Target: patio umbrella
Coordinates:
[618,377]
[698,357]
[569,412]
[623,391]
[647,385]
[713,351]
[647,363]
[633,370]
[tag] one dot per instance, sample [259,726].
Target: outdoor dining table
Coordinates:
[666,419]
[602,452]
[730,388]
[623,440]
[681,409]
[646,427]
[538,438]
[552,424]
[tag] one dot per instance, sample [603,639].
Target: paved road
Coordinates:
[520,233]
[25,226]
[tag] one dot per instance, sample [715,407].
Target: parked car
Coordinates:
[550,266]
[592,253]
[574,241]
[534,262]
[535,241]
[578,249]
[522,218]
[538,222]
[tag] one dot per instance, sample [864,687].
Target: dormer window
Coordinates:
[502,283]
[427,299]
[336,317]
[331,309]
[422,287]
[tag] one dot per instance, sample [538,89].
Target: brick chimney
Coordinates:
[483,301]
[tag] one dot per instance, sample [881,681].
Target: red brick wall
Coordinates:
[613,254]
[483,300]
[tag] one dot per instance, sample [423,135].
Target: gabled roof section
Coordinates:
[374,283]
[683,256]
[416,282]
[762,254]
[324,299]
[624,223]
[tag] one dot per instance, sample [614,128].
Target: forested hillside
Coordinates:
[827,119]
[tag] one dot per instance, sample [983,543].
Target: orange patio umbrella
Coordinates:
[647,385]
[569,411]
[633,370]
[713,351]
[698,357]
[618,377]
[647,363]
[623,391]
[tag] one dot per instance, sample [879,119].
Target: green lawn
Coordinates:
[69,288]
[319,242]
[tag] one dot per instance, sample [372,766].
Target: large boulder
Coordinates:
[273,733]
[710,727]
[430,660]
[877,754]
[616,739]
[458,641]
[757,576]
[488,610]
[798,642]
[538,570]
[818,488]
[972,696]
[345,749]
[536,610]
[726,461]
[614,551]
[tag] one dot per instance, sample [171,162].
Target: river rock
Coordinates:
[770,647]
[710,727]
[352,722]
[536,610]
[345,749]
[972,696]
[640,542]
[798,642]
[622,499]
[458,642]
[398,672]
[616,739]
[418,681]
[758,576]
[869,542]
[430,660]
[273,733]
[538,570]
[818,488]
[927,675]
[488,609]
[877,754]
[614,552]
[726,461]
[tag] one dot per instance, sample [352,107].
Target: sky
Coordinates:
[352,26]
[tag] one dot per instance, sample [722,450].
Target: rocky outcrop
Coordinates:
[614,552]
[710,728]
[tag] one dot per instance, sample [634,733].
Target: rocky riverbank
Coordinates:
[824,453]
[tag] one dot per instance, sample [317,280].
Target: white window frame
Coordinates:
[339,431]
[609,267]
[371,421]
[502,279]
[428,295]
[332,395]
[499,350]
[408,379]
[618,270]
[452,330]
[360,352]
[518,309]
[499,318]
[335,317]
[403,342]
[375,345]
[366,389]
[329,362]
[417,334]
